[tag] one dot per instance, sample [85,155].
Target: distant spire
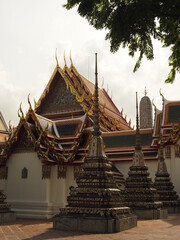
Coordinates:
[96,131]
[138,141]
[145,92]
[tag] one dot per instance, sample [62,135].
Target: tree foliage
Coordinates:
[134,23]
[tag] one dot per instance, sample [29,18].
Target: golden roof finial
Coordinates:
[102,85]
[153,103]
[122,111]
[71,60]
[111,94]
[30,107]
[35,104]
[65,60]
[107,88]
[20,110]
[130,122]
[19,114]
[56,58]
[161,94]
[10,127]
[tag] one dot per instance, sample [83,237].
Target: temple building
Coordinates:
[45,152]
[96,204]
[4,132]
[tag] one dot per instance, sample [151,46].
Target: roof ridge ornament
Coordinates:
[154,104]
[65,60]
[20,111]
[30,106]
[102,85]
[56,58]
[161,94]
[71,60]
[10,127]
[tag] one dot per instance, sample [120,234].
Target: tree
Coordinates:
[134,23]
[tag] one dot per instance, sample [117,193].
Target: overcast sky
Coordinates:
[31,30]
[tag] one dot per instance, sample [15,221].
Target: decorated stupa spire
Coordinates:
[96,131]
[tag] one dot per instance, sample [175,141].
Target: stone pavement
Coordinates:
[167,229]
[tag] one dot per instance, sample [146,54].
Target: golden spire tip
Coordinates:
[56,58]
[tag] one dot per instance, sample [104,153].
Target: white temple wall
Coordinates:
[173,166]
[124,167]
[35,197]
[59,187]
[28,197]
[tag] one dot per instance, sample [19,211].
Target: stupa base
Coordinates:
[94,224]
[173,209]
[150,214]
[7,217]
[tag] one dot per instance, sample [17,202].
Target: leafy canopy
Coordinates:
[133,24]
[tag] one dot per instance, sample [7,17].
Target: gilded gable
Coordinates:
[58,99]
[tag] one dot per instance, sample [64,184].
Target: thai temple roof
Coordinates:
[3,129]
[60,125]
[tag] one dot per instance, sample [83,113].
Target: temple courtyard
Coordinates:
[146,230]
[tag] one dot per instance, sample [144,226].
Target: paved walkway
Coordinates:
[168,229]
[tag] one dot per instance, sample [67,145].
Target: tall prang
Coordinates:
[164,186]
[139,193]
[145,112]
[96,204]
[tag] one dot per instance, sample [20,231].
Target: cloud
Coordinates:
[31,33]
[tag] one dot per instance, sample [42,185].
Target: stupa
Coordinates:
[164,186]
[6,215]
[139,193]
[95,205]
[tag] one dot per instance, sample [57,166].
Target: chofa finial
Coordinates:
[102,85]
[30,106]
[161,94]
[56,58]
[20,111]
[65,60]
[153,104]
[71,60]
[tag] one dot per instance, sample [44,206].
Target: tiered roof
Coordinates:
[82,89]
[167,122]
[3,130]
